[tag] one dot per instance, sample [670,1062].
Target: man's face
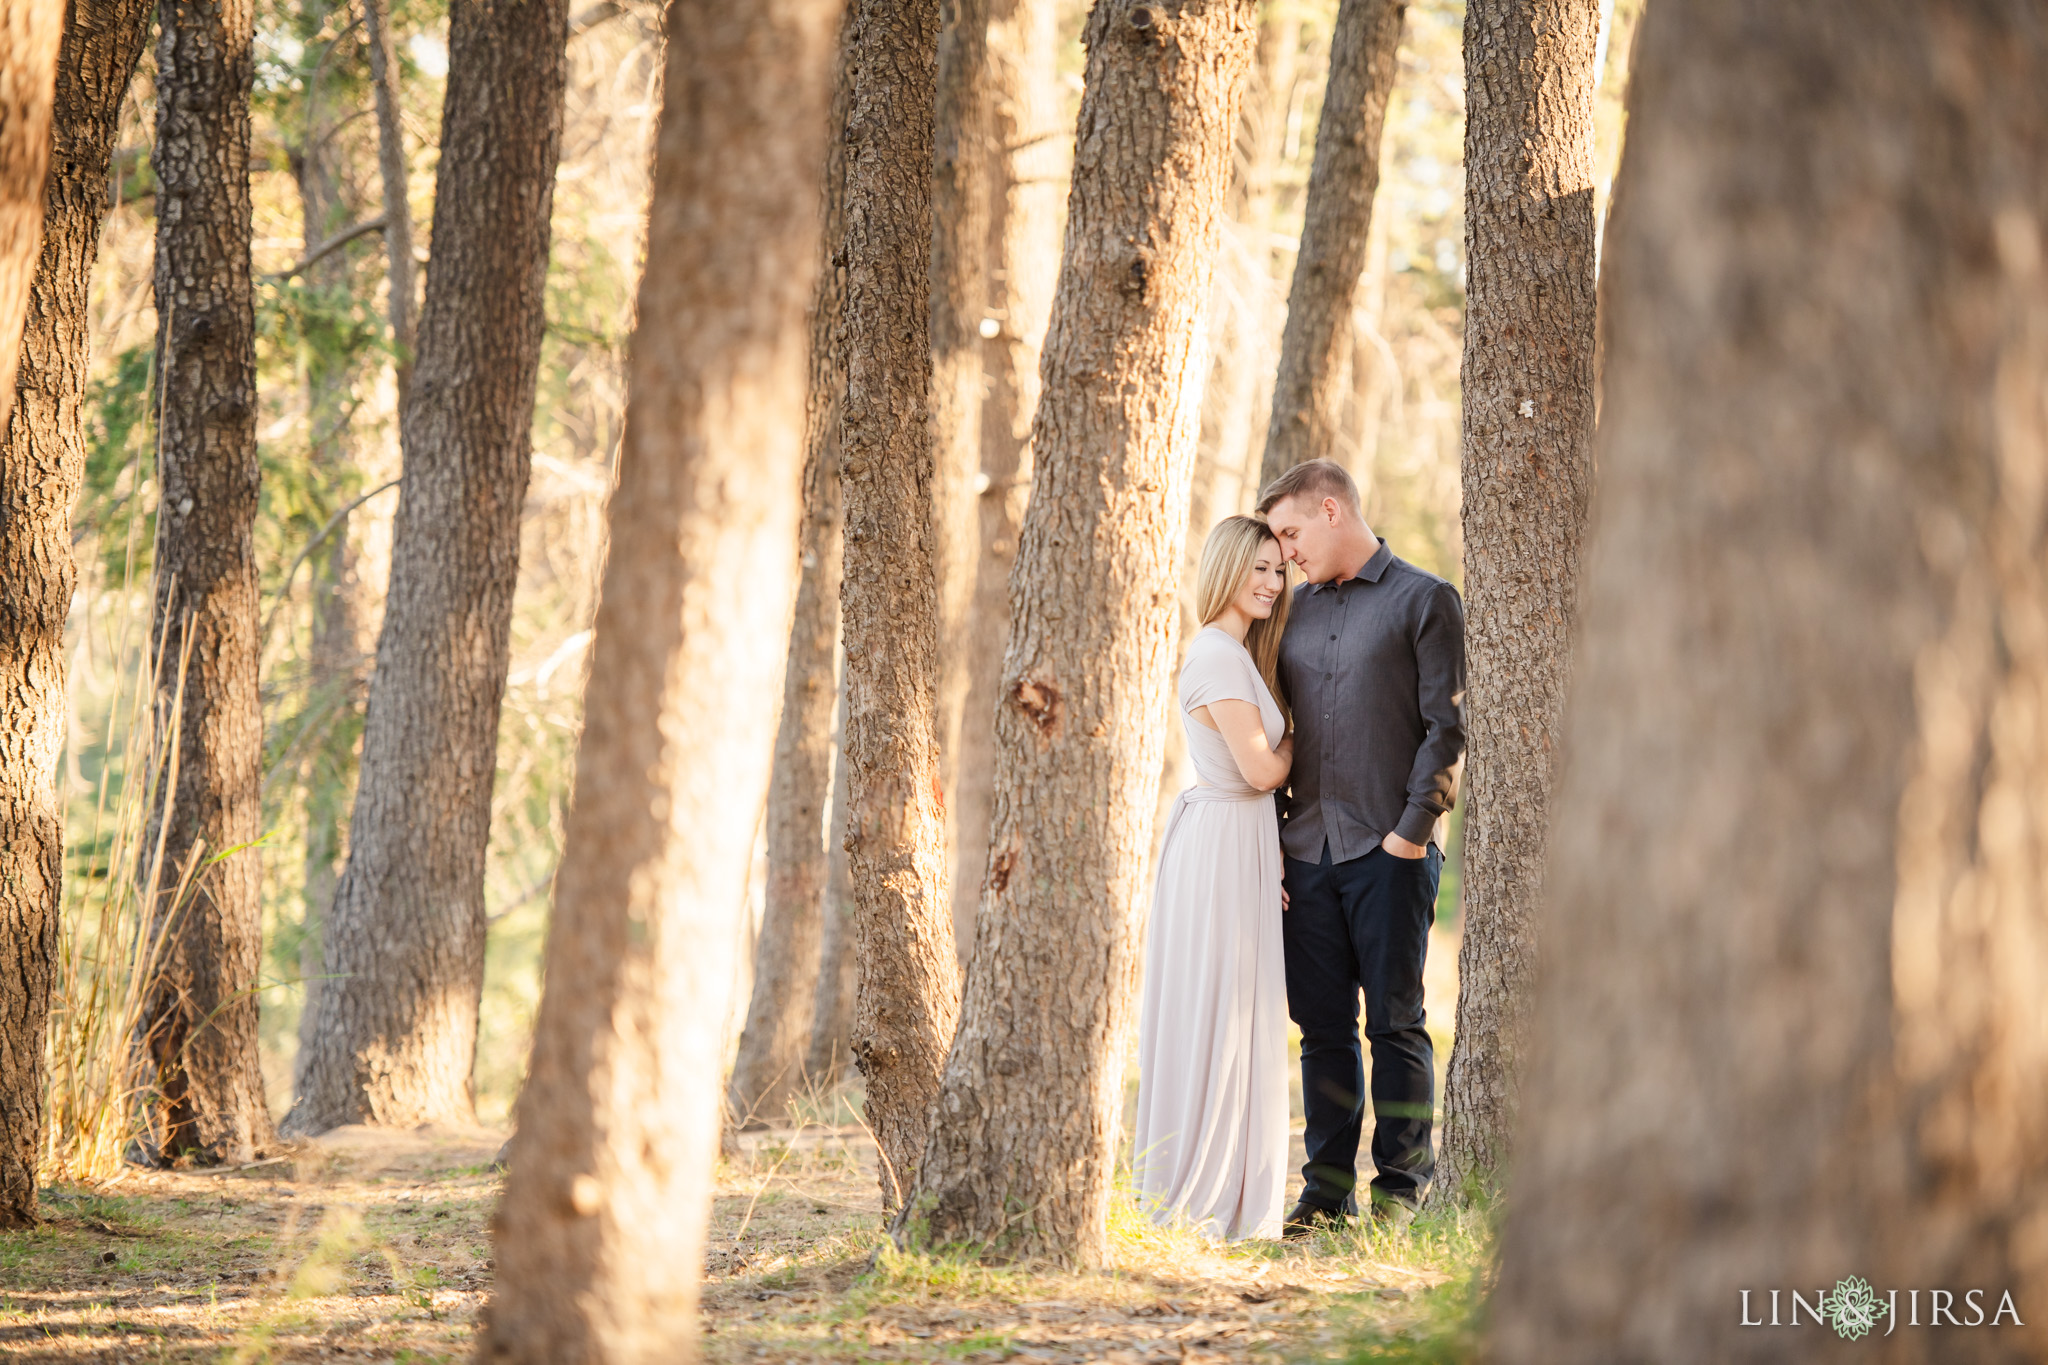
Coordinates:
[1309,536]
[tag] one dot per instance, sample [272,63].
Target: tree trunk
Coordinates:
[1789,1028]
[1308,394]
[391,170]
[909,994]
[199,1021]
[337,673]
[1024,1140]
[772,1067]
[1025,169]
[831,1045]
[600,1239]
[1241,319]
[30,32]
[46,248]
[1528,475]
[962,186]
[395,1037]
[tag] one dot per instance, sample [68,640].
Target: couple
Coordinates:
[1335,896]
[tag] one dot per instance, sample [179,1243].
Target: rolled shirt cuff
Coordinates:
[1418,825]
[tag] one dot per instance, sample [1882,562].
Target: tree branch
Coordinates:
[330,246]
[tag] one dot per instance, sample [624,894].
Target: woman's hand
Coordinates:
[1244,730]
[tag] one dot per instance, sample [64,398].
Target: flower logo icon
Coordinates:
[1853,1308]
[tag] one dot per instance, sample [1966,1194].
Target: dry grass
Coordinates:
[375,1246]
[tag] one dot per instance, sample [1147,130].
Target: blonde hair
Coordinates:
[1227,558]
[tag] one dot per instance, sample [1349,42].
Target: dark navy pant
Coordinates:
[1355,926]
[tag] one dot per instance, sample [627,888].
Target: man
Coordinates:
[1373,663]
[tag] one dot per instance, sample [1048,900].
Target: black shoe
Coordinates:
[1306,1218]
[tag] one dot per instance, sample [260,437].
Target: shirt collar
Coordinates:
[1372,571]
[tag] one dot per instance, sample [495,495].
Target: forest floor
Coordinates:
[375,1246]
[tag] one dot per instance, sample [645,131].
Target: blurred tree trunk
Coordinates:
[199,1021]
[1789,1026]
[909,992]
[391,170]
[963,157]
[49,233]
[1026,185]
[394,1038]
[831,1046]
[600,1239]
[337,672]
[1528,476]
[1240,322]
[1308,393]
[771,1066]
[1028,1110]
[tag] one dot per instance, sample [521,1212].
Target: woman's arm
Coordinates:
[1242,728]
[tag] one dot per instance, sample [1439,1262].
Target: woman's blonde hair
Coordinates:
[1227,558]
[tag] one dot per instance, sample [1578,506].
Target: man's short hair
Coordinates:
[1313,480]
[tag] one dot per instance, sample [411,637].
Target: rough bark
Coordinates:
[1024,1138]
[1789,1026]
[831,1046]
[909,992]
[394,1039]
[29,35]
[1527,466]
[198,1024]
[45,243]
[1025,173]
[1308,393]
[772,1066]
[600,1240]
[397,203]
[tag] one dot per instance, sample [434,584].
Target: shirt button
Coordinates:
[1333,637]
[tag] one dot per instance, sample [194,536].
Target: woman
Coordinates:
[1212,1034]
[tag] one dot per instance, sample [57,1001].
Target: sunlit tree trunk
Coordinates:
[1024,1138]
[1025,170]
[1527,382]
[393,1040]
[896,830]
[600,1239]
[771,1067]
[1309,390]
[831,1046]
[1789,1027]
[391,170]
[963,153]
[343,638]
[199,1021]
[1243,316]
[47,242]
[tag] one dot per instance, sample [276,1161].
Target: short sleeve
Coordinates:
[1216,672]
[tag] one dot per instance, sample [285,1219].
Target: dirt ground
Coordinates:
[372,1246]
[369,1245]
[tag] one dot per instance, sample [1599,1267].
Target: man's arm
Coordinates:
[1440,694]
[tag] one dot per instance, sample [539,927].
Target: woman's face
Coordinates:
[1264,584]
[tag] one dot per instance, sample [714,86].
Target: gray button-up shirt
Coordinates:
[1374,668]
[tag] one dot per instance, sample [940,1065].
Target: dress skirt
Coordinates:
[1211,1140]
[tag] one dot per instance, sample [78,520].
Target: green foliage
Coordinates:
[118,500]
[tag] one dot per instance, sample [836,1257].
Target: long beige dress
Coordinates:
[1211,1141]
